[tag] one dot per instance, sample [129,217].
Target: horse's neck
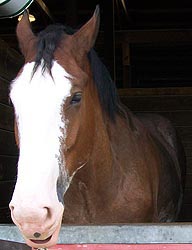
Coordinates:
[103,160]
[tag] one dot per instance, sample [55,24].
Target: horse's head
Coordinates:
[50,97]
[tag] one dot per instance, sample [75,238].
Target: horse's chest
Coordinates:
[77,204]
[84,207]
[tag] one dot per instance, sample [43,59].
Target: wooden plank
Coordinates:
[123,247]
[6,191]
[8,167]
[185,214]
[8,145]
[157,103]
[168,91]
[5,215]
[7,117]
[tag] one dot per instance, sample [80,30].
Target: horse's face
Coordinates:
[50,111]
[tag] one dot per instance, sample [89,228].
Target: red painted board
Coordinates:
[123,247]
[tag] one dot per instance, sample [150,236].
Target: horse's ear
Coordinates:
[85,37]
[24,33]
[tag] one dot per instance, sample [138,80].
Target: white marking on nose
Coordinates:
[38,106]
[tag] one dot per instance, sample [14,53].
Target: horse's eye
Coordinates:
[76,98]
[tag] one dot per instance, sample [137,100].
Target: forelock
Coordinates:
[47,43]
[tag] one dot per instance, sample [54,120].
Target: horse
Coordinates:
[84,158]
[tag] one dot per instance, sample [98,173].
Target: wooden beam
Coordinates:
[151,36]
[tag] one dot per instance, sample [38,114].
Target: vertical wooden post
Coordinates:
[107,10]
[126,65]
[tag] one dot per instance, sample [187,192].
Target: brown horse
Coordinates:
[79,142]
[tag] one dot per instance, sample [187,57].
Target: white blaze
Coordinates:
[38,105]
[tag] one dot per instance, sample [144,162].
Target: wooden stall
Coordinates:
[10,63]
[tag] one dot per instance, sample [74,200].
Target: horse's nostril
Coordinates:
[48,211]
[11,208]
[36,235]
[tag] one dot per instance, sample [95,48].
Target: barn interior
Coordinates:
[147,47]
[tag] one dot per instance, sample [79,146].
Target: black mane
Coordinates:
[48,41]
[105,86]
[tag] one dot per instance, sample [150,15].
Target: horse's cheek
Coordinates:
[71,133]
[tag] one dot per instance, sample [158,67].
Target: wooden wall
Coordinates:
[175,104]
[10,62]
